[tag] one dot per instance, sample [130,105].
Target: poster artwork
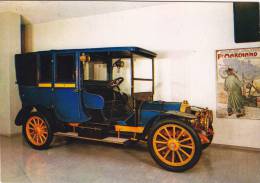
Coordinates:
[238,83]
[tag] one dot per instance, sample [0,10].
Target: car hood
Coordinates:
[161,106]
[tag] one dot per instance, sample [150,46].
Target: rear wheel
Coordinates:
[174,145]
[37,131]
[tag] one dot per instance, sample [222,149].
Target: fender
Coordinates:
[169,114]
[153,121]
[25,111]
[22,114]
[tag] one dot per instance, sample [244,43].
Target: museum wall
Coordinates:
[9,45]
[185,36]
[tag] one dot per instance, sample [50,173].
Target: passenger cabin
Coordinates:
[100,85]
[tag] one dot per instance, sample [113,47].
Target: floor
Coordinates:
[85,161]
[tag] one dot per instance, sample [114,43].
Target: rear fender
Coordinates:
[22,115]
[25,112]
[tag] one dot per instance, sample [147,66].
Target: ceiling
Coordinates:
[44,11]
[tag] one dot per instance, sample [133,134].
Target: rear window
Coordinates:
[66,68]
[26,69]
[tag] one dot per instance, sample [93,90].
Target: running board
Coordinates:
[114,140]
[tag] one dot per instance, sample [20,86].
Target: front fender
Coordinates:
[154,120]
[169,114]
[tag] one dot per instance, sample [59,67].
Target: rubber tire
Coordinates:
[205,146]
[194,135]
[47,120]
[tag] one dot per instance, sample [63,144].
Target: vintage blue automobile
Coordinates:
[106,94]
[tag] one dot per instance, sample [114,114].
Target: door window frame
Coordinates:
[44,84]
[68,84]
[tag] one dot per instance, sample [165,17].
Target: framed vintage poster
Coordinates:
[238,83]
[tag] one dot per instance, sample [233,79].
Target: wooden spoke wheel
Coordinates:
[174,145]
[37,131]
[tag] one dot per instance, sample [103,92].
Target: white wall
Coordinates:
[9,46]
[185,36]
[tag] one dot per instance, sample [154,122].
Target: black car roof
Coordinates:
[115,51]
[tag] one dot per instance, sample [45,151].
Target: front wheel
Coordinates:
[37,131]
[174,145]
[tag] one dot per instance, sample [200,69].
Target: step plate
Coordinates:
[113,140]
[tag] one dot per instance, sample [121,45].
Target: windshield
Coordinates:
[124,72]
[142,81]
[143,74]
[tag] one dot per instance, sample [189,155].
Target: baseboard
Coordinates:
[10,135]
[235,147]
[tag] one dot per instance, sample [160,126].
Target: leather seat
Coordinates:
[114,102]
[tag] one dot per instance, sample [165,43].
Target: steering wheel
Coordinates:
[116,82]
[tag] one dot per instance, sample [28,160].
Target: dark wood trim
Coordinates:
[23,42]
[132,74]
[143,79]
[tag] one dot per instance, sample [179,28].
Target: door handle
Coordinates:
[76,90]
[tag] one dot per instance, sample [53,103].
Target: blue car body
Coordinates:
[72,93]
[68,100]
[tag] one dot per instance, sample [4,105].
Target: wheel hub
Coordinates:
[38,130]
[173,144]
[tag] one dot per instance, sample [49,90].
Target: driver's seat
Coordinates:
[117,108]
[115,103]
[112,109]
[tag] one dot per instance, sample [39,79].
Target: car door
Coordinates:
[45,77]
[67,98]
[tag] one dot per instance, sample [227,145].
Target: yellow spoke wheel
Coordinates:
[174,145]
[177,146]
[36,130]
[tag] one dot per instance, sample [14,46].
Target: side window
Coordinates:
[26,69]
[45,71]
[65,68]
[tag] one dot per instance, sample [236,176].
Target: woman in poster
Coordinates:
[235,98]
